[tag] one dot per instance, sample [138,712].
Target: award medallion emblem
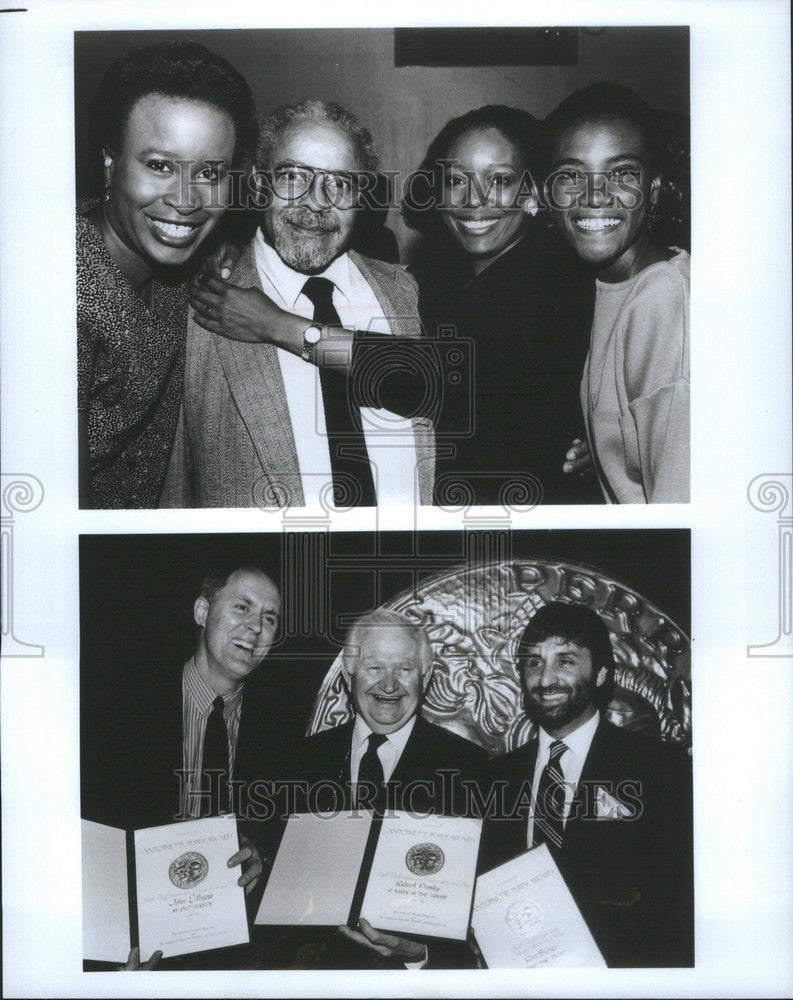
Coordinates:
[188,870]
[425,859]
[524,919]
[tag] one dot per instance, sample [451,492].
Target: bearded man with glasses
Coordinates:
[259,425]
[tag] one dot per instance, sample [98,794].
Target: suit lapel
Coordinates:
[253,374]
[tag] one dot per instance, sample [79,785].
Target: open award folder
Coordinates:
[165,888]
[402,874]
[524,917]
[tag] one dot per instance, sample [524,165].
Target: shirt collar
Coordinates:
[289,282]
[579,741]
[398,739]
[202,694]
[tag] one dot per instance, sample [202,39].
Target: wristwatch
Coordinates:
[311,337]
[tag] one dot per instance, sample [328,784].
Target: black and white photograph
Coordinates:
[463,269]
[533,688]
[382,614]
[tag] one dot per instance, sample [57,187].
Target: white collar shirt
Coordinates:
[390,440]
[389,751]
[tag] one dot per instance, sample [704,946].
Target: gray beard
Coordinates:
[311,256]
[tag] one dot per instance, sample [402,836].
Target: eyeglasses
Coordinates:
[293,180]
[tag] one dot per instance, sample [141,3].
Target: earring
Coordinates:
[106,195]
[530,206]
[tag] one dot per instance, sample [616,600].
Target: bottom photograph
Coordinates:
[348,750]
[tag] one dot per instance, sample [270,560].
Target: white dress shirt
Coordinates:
[390,441]
[571,763]
[389,751]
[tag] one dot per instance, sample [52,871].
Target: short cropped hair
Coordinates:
[520,128]
[317,111]
[573,623]
[182,70]
[218,576]
[393,619]
[604,101]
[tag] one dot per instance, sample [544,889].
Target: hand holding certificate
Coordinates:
[187,898]
[420,883]
[524,917]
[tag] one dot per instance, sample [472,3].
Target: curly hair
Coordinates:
[573,623]
[317,111]
[183,70]
[520,128]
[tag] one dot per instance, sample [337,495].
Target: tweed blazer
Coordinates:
[234,444]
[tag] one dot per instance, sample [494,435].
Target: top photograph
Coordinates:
[341,268]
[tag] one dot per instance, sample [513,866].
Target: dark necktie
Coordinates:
[216,759]
[353,485]
[370,772]
[549,804]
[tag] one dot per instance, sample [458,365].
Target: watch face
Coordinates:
[312,334]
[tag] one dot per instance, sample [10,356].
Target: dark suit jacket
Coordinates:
[433,755]
[427,777]
[131,745]
[632,878]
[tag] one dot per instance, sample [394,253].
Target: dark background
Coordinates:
[137,594]
[403,106]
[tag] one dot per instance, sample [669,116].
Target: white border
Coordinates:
[741,428]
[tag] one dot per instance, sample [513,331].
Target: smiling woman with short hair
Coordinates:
[170,120]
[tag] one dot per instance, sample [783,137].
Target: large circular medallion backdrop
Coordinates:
[474,616]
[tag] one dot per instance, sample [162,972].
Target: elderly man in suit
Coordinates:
[613,807]
[388,757]
[259,425]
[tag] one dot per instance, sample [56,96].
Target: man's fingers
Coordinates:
[243,854]
[133,961]
[205,299]
[153,962]
[354,935]
[216,285]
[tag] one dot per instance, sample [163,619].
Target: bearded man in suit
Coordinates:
[259,425]
[613,807]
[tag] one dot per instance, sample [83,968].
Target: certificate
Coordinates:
[185,897]
[524,917]
[423,876]
[316,870]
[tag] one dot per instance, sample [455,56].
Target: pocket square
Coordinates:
[607,807]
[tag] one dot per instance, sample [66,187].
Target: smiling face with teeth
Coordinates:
[387,677]
[483,194]
[602,170]
[560,685]
[165,196]
[238,625]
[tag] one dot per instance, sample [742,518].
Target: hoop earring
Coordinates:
[106,195]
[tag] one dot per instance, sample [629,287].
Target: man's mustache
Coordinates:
[311,220]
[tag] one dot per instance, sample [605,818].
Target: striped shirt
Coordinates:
[197,699]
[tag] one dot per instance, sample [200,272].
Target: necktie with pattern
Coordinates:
[549,804]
